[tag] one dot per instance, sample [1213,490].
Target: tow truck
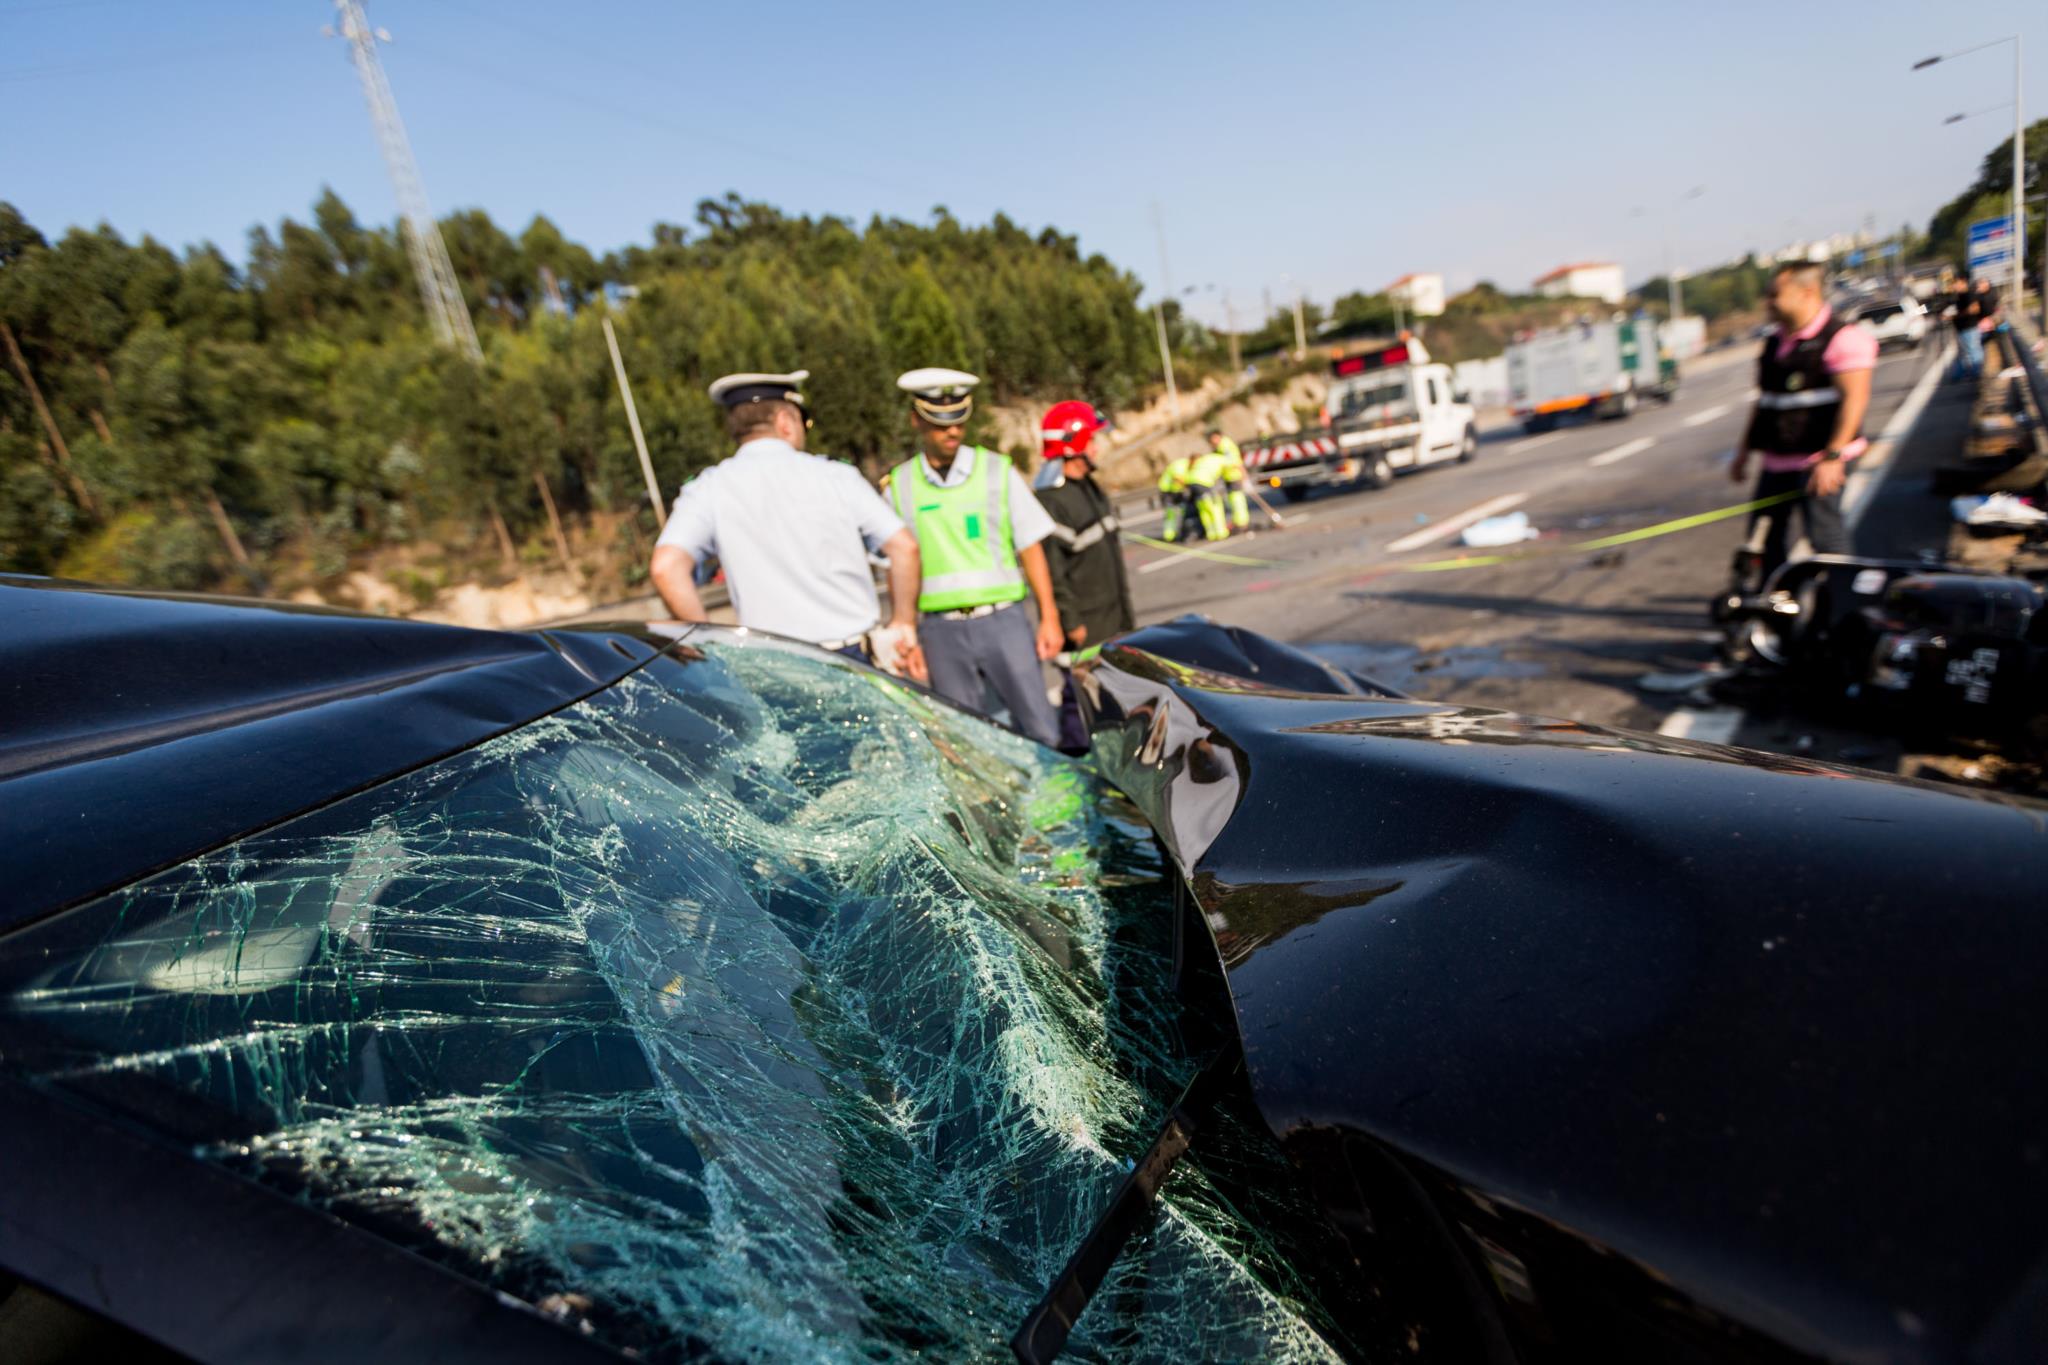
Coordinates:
[1388,409]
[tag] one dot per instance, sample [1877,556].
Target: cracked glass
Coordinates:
[754,1008]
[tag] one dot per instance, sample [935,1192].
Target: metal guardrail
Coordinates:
[2025,336]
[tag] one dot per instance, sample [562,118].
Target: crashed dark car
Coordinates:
[373,989]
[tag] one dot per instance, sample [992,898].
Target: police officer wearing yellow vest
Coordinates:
[978,530]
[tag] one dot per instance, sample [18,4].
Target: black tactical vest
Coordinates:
[1798,401]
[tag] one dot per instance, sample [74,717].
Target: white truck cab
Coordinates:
[1386,410]
[1398,402]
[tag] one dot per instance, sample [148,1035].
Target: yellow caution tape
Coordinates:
[1219,557]
[1662,528]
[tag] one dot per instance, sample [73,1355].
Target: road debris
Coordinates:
[1511,529]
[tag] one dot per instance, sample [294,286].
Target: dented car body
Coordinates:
[376,987]
[1648,1049]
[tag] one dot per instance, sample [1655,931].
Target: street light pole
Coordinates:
[1677,303]
[2019,192]
[2019,161]
[1670,261]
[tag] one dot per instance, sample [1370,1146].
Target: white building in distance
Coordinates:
[1587,280]
[1421,294]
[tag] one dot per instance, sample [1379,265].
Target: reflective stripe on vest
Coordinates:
[1086,536]
[961,571]
[1804,398]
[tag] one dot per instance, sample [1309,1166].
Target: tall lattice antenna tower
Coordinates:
[430,266]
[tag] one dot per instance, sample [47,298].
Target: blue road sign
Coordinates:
[1991,248]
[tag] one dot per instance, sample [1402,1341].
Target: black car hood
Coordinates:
[1755,1037]
[142,728]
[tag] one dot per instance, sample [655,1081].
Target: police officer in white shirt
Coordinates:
[793,532]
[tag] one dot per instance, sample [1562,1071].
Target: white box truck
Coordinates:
[1600,369]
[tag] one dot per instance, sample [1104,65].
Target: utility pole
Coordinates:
[1159,313]
[611,339]
[1166,363]
[551,290]
[1300,330]
[1230,321]
[446,312]
[1165,271]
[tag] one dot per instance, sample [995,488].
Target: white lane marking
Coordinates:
[1533,442]
[1620,453]
[1706,415]
[1714,726]
[1876,462]
[1167,563]
[1454,524]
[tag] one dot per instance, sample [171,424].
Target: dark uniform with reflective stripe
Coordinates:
[1798,403]
[1090,582]
[1089,579]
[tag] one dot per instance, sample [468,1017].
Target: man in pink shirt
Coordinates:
[1813,383]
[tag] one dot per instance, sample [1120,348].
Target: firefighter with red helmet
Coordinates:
[1084,554]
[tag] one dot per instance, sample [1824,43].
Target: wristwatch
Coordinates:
[1830,455]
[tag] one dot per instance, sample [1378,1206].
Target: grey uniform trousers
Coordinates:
[998,650]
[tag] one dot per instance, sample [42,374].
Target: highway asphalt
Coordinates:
[1559,633]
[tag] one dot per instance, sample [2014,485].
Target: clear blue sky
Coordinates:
[1346,143]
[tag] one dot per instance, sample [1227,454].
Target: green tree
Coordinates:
[172,413]
[923,328]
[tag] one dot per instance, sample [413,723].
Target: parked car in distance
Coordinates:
[1896,322]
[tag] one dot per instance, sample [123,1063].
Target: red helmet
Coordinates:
[1067,428]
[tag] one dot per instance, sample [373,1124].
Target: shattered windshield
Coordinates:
[755,1007]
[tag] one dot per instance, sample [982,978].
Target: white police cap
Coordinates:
[735,389]
[940,396]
